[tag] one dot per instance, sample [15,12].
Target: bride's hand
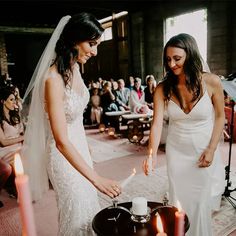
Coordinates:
[109,187]
[146,165]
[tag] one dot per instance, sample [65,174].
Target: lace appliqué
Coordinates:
[74,104]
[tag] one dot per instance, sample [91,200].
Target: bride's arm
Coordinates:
[54,93]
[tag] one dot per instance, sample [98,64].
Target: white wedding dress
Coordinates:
[77,198]
[198,190]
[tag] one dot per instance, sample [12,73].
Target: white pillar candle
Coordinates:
[139,206]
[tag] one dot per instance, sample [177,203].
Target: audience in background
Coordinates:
[131,82]
[11,137]
[137,98]
[96,109]
[18,98]
[108,103]
[114,86]
[108,98]
[122,96]
[149,90]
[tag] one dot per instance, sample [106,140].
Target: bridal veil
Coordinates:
[33,156]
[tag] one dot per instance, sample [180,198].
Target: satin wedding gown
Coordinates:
[198,190]
[77,198]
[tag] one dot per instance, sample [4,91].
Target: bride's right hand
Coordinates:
[146,165]
[109,187]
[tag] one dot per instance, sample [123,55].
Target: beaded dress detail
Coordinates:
[77,198]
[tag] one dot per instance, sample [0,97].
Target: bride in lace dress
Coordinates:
[59,145]
[195,105]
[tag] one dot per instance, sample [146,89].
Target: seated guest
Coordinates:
[108,98]
[122,96]
[96,109]
[18,98]
[11,137]
[137,99]
[149,90]
[108,104]
[131,82]
[114,86]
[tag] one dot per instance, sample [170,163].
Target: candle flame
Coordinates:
[134,171]
[150,154]
[159,224]
[102,127]
[179,206]
[18,165]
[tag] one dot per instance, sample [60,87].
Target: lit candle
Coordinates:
[111,131]
[126,181]
[160,229]
[24,197]
[102,127]
[179,221]
[150,163]
[139,206]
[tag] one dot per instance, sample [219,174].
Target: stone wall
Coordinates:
[3,55]
[221,36]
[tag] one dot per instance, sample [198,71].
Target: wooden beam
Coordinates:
[34,30]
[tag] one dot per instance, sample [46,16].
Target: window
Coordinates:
[107,35]
[194,23]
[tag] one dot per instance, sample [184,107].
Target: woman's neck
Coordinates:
[182,79]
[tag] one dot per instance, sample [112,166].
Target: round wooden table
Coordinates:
[117,221]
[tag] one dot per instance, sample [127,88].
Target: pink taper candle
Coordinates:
[179,221]
[159,226]
[24,197]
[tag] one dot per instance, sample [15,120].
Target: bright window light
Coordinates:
[107,35]
[194,23]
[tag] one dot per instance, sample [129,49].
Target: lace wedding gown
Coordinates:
[77,198]
[198,190]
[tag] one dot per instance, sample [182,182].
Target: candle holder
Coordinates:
[140,211]
[116,206]
[141,218]
[165,199]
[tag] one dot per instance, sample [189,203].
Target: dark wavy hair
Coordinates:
[5,92]
[81,27]
[192,67]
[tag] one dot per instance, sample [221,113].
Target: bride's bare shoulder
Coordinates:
[53,78]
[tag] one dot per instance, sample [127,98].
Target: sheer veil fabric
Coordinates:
[33,157]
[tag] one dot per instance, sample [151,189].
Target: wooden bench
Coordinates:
[137,123]
[116,117]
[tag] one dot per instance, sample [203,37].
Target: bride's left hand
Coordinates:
[206,158]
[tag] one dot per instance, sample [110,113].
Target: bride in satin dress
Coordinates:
[194,102]
[55,140]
